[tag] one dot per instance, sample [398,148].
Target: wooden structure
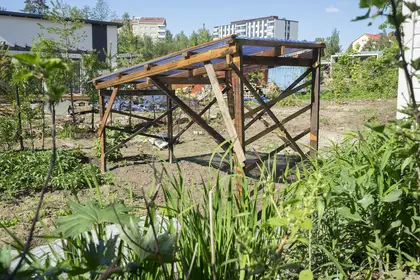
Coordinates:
[223,62]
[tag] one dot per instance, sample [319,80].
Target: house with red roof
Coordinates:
[361,41]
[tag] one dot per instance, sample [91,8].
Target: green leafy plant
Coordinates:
[113,137]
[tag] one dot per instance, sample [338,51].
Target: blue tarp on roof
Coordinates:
[246,50]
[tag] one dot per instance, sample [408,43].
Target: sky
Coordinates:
[317,18]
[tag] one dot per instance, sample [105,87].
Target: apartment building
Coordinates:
[265,27]
[154,27]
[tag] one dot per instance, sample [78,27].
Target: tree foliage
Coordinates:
[35,7]
[332,44]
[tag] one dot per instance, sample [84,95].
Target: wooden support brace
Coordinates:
[268,111]
[237,148]
[131,131]
[170,131]
[219,138]
[276,151]
[131,115]
[176,137]
[273,127]
[104,119]
[140,130]
[103,135]
[287,92]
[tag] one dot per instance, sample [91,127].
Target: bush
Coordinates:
[113,137]
[372,78]
[8,137]
[24,172]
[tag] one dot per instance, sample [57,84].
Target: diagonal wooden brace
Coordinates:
[268,111]
[193,115]
[237,148]
[107,112]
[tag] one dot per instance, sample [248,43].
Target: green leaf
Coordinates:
[26,58]
[376,127]
[406,162]
[393,196]
[412,6]
[84,217]
[416,64]
[306,275]
[278,222]
[395,224]
[366,201]
[307,224]
[397,274]
[346,213]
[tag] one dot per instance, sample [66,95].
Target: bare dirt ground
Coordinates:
[143,163]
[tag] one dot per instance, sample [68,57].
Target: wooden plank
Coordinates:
[237,148]
[135,92]
[170,131]
[104,118]
[272,43]
[219,138]
[273,127]
[103,135]
[159,69]
[275,151]
[192,121]
[230,95]
[140,130]
[271,104]
[131,131]
[277,61]
[315,92]
[132,115]
[238,91]
[287,92]
[267,110]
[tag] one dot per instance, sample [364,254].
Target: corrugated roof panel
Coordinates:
[247,50]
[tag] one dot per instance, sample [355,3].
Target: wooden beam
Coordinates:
[238,91]
[237,148]
[131,131]
[267,110]
[103,135]
[273,127]
[170,131]
[219,138]
[131,115]
[140,130]
[272,43]
[192,121]
[271,103]
[104,119]
[230,95]
[275,151]
[287,92]
[134,92]
[159,69]
[277,61]
[316,80]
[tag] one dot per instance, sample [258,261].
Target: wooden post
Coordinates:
[237,148]
[229,93]
[107,112]
[131,109]
[238,90]
[103,134]
[19,116]
[170,131]
[315,92]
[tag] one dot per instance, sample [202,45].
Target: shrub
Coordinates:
[24,172]
[8,137]
[113,137]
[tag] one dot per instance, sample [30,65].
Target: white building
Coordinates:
[18,32]
[154,27]
[265,27]
[412,42]
[361,41]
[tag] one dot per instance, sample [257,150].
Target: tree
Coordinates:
[35,7]
[101,11]
[333,44]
